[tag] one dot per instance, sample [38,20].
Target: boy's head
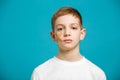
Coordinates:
[67,28]
[65,11]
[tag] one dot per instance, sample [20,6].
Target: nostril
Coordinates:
[67,35]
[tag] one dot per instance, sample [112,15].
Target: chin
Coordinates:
[66,48]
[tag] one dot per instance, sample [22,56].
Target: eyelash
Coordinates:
[59,29]
[74,28]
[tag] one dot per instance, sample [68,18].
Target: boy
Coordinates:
[69,64]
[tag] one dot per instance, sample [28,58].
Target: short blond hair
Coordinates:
[65,11]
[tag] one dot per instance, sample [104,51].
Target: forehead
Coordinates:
[67,19]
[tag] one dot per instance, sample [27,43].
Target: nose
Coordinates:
[67,33]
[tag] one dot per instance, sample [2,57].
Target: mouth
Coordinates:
[67,40]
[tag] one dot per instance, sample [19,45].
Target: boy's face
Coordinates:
[67,32]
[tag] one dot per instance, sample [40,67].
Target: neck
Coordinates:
[70,55]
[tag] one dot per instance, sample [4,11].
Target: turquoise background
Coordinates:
[25,41]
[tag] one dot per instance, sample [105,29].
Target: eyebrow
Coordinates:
[75,24]
[59,25]
[70,24]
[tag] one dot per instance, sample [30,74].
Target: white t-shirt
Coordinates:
[57,69]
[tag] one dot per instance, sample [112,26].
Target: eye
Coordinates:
[59,29]
[74,28]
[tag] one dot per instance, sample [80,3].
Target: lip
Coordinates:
[68,40]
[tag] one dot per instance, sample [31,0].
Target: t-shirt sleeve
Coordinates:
[103,77]
[35,76]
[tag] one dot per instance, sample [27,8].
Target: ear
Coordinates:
[83,33]
[52,35]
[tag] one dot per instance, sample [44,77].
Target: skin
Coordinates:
[59,36]
[68,27]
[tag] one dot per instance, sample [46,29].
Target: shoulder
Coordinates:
[41,69]
[44,65]
[91,65]
[95,70]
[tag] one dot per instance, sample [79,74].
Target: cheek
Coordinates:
[76,36]
[59,36]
